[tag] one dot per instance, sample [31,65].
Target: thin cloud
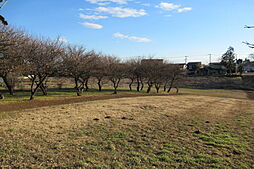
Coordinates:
[85,9]
[133,38]
[146,4]
[106,2]
[168,6]
[122,12]
[168,15]
[184,9]
[92,25]
[92,17]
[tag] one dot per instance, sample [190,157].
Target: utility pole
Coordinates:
[210,58]
[236,65]
[186,59]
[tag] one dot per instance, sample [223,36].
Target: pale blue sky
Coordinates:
[169,29]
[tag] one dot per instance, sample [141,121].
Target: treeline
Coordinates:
[40,58]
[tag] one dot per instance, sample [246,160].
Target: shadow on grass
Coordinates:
[22,94]
[250,94]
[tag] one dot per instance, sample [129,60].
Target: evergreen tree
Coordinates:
[228,60]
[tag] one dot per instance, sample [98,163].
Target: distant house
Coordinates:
[216,69]
[248,67]
[193,67]
[213,69]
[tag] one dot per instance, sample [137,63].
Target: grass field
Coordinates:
[195,129]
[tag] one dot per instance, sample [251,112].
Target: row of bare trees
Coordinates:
[38,59]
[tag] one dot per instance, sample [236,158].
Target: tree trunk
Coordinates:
[138,85]
[149,87]
[171,84]
[169,89]
[131,84]
[9,86]
[115,90]
[38,85]
[157,88]
[78,92]
[99,85]
[32,86]
[32,95]
[86,85]
[43,86]
[177,90]
[142,85]
[165,86]
[77,87]
[115,87]
[1,96]
[44,89]
[116,84]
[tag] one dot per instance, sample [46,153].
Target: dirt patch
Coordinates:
[18,106]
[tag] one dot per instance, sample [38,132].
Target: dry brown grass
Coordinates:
[104,133]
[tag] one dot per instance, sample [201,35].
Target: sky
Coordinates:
[167,29]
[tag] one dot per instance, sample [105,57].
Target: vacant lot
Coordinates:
[184,131]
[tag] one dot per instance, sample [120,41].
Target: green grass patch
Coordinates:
[205,158]
[220,140]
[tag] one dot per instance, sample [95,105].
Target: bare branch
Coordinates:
[246,26]
[4,3]
[249,44]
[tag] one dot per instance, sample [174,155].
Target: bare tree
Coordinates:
[131,70]
[99,70]
[135,72]
[41,60]
[77,64]
[115,72]
[158,75]
[152,72]
[166,76]
[174,75]
[11,50]
[89,63]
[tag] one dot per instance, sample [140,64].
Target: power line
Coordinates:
[193,56]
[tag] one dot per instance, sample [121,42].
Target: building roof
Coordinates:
[216,63]
[193,63]
[180,64]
